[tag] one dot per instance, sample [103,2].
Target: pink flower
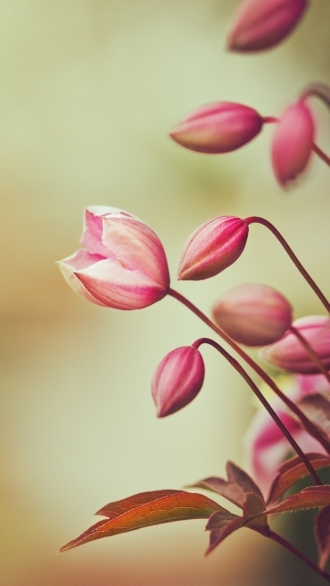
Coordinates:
[289,354]
[217,128]
[253,314]
[265,446]
[213,247]
[177,380]
[123,263]
[293,143]
[261,24]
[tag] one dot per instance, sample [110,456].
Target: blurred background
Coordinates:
[89,89]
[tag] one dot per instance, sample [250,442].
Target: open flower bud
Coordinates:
[292,143]
[217,128]
[213,247]
[177,380]
[261,24]
[289,354]
[253,314]
[123,264]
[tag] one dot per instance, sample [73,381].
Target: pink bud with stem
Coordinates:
[216,128]
[262,24]
[253,314]
[289,354]
[213,247]
[293,143]
[123,263]
[177,380]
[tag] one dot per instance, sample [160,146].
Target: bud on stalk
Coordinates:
[178,379]
[289,354]
[253,314]
[217,128]
[213,247]
[262,24]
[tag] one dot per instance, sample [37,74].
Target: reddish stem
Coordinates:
[311,353]
[302,557]
[289,251]
[321,154]
[263,401]
[308,425]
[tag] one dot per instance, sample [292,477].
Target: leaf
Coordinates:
[222,523]
[322,534]
[313,497]
[317,408]
[145,509]
[235,488]
[254,511]
[291,471]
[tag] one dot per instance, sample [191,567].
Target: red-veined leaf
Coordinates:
[291,471]
[313,497]
[322,534]
[235,488]
[142,511]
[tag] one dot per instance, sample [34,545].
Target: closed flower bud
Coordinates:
[253,314]
[213,247]
[261,24]
[177,380]
[123,264]
[217,128]
[292,143]
[289,354]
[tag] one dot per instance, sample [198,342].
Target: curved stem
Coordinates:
[318,90]
[308,425]
[263,401]
[321,154]
[311,353]
[296,552]
[289,251]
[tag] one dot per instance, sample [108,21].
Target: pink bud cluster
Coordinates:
[225,126]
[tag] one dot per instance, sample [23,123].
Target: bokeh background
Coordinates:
[89,89]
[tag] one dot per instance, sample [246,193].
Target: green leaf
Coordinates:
[293,470]
[144,510]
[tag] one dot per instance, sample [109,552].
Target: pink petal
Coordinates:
[116,286]
[136,247]
[78,261]
[93,227]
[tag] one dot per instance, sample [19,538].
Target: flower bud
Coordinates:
[292,143]
[261,24]
[123,264]
[289,354]
[177,380]
[217,128]
[213,247]
[253,314]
